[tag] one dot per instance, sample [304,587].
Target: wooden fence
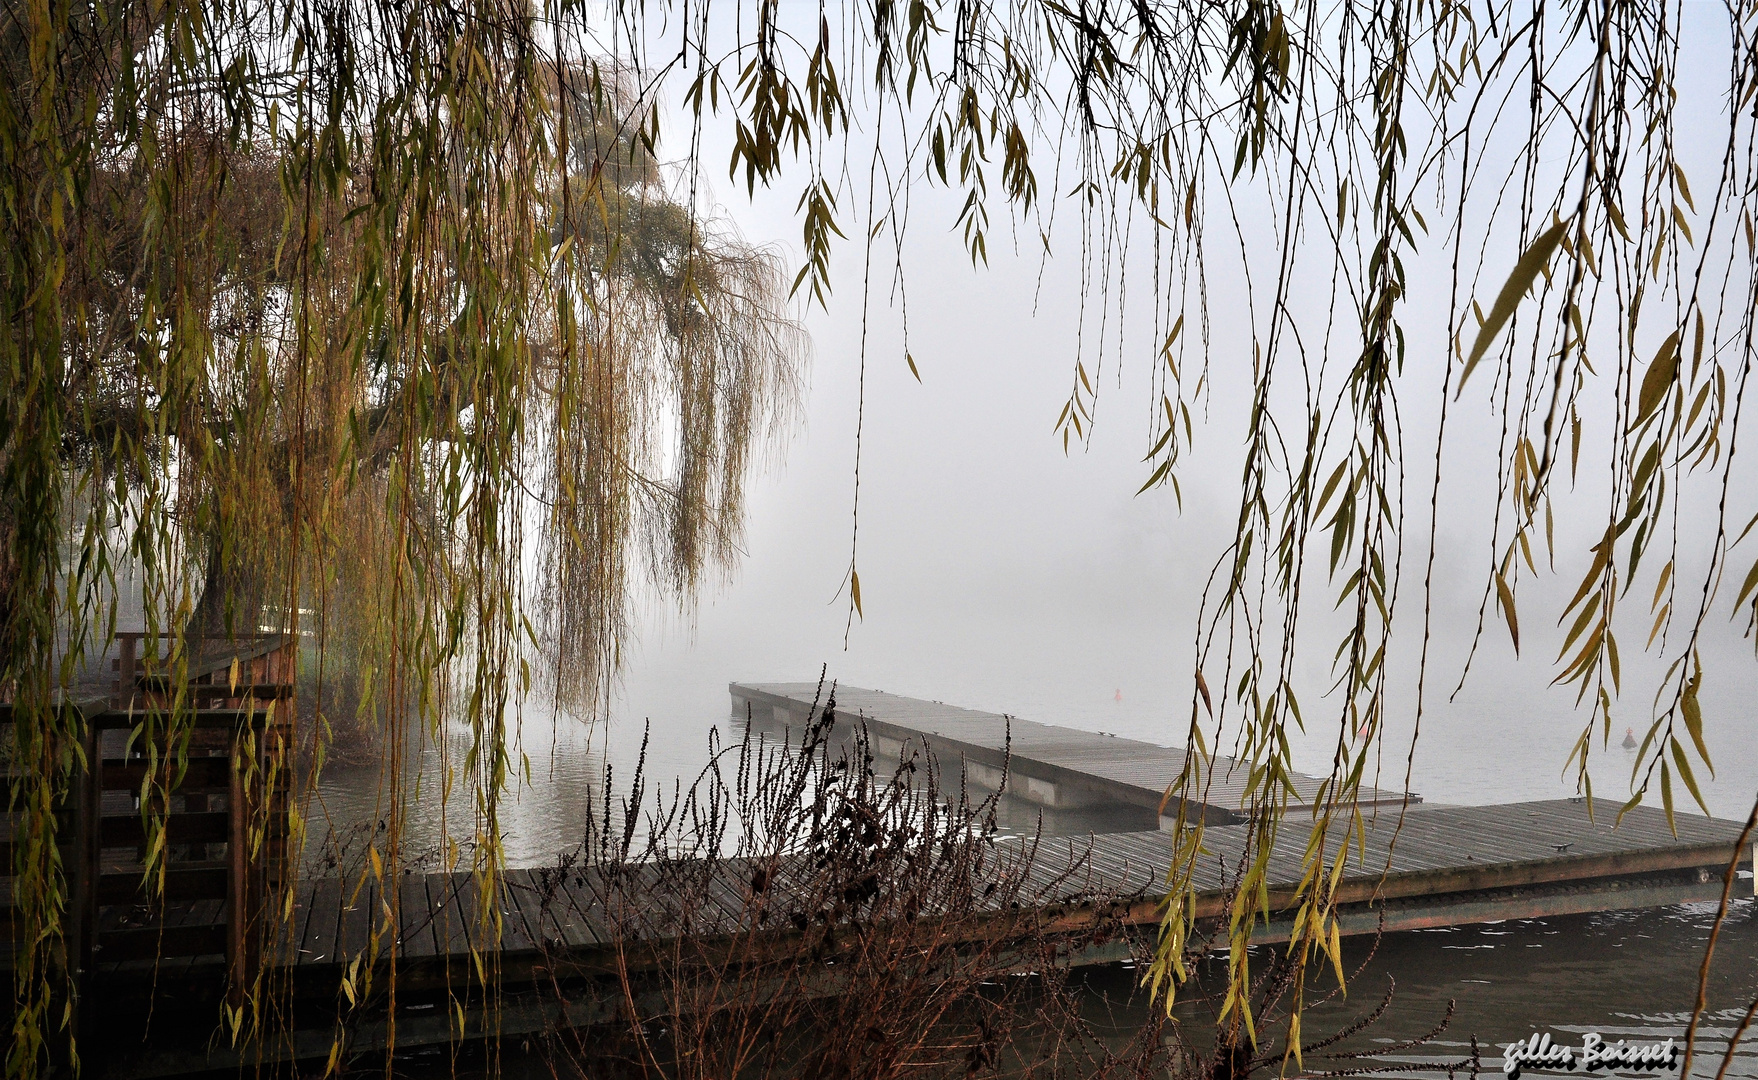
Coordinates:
[173,838]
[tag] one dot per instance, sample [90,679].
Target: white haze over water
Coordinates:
[999,573]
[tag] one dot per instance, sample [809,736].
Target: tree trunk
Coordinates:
[233,595]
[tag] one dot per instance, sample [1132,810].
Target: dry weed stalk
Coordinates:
[800,912]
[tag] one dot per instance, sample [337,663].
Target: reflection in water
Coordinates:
[1626,975]
[542,815]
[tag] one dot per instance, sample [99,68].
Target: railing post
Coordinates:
[237,857]
[88,811]
[125,668]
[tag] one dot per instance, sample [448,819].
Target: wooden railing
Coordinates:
[174,841]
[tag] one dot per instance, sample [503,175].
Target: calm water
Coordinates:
[1626,975]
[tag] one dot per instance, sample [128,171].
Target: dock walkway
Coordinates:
[1449,865]
[1055,767]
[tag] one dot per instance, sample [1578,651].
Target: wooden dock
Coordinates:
[580,926]
[567,938]
[1051,766]
[1449,865]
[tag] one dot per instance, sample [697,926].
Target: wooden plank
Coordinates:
[453,912]
[718,908]
[579,908]
[150,942]
[729,887]
[589,892]
[1091,764]
[415,917]
[180,828]
[259,691]
[470,911]
[519,933]
[12,789]
[225,718]
[318,943]
[629,904]
[528,892]
[572,909]
[186,881]
[211,773]
[358,919]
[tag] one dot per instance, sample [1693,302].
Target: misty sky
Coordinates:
[999,573]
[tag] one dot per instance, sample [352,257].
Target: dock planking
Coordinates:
[1426,866]
[1056,767]
[1414,866]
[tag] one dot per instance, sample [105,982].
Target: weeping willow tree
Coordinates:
[296,281]
[310,322]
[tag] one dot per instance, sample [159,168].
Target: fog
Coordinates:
[1001,573]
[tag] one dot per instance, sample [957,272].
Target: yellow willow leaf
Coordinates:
[1525,272]
[1666,575]
[1690,780]
[1171,337]
[1659,621]
[1659,378]
[1750,584]
[854,589]
[1693,712]
[1601,551]
[1337,957]
[1506,596]
[1666,798]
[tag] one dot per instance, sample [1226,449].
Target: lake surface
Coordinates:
[1625,975]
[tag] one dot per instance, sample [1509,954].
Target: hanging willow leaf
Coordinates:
[1506,596]
[1693,713]
[1666,798]
[1750,584]
[1525,272]
[1685,774]
[1659,379]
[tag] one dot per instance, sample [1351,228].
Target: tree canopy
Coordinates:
[290,277]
